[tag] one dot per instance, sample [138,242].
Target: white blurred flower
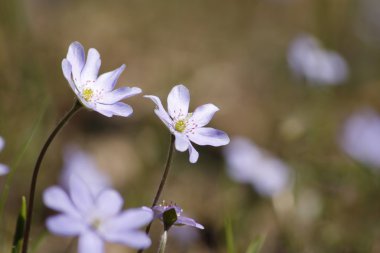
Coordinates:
[95,219]
[309,60]
[3,168]
[247,163]
[82,165]
[360,137]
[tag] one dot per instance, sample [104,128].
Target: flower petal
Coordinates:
[90,242]
[178,101]
[91,68]
[160,111]
[66,69]
[107,81]
[133,239]
[209,136]
[203,114]
[119,94]
[65,225]
[3,169]
[128,220]
[119,109]
[109,203]
[181,142]
[75,56]
[57,199]
[188,222]
[194,155]
[81,195]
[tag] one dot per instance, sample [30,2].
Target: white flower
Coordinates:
[360,137]
[318,66]
[189,126]
[95,219]
[96,93]
[247,163]
[82,165]
[3,168]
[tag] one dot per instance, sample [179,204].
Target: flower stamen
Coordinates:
[180,125]
[87,94]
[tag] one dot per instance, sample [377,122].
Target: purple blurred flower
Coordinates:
[181,220]
[318,66]
[360,137]
[247,163]
[95,219]
[3,168]
[189,126]
[82,165]
[96,93]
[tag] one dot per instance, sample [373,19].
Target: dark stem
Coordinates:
[163,180]
[77,105]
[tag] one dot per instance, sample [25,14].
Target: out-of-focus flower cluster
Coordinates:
[360,137]
[3,168]
[247,163]
[318,66]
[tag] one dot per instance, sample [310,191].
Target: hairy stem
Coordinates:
[77,105]
[163,179]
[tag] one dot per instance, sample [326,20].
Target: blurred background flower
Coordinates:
[318,66]
[247,163]
[360,137]
[3,168]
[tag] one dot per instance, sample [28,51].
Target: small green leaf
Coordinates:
[169,217]
[229,236]
[20,225]
[256,245]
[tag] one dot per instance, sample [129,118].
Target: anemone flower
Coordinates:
[189,127]
[160,209]
[95,219]
[360,137]
[247,163]
[96,92]
[3,168]
[307,59]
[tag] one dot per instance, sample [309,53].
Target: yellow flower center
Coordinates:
[87,94]
[180,125]
[96,223]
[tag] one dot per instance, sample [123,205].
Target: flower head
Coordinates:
[3,168]
[95,218]
[189,126]
[247,163]
[96,93]
[309,60]
[160,209]
[360,137]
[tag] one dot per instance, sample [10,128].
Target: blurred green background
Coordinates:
[230,53]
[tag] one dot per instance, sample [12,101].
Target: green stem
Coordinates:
[162,246]
[163,180]
[77,105]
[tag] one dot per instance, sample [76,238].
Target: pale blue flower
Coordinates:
[3,168]
[95,219]
[181,220]
[360,137]
[96,93]
[319,66]
[247,163]
[189,126]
